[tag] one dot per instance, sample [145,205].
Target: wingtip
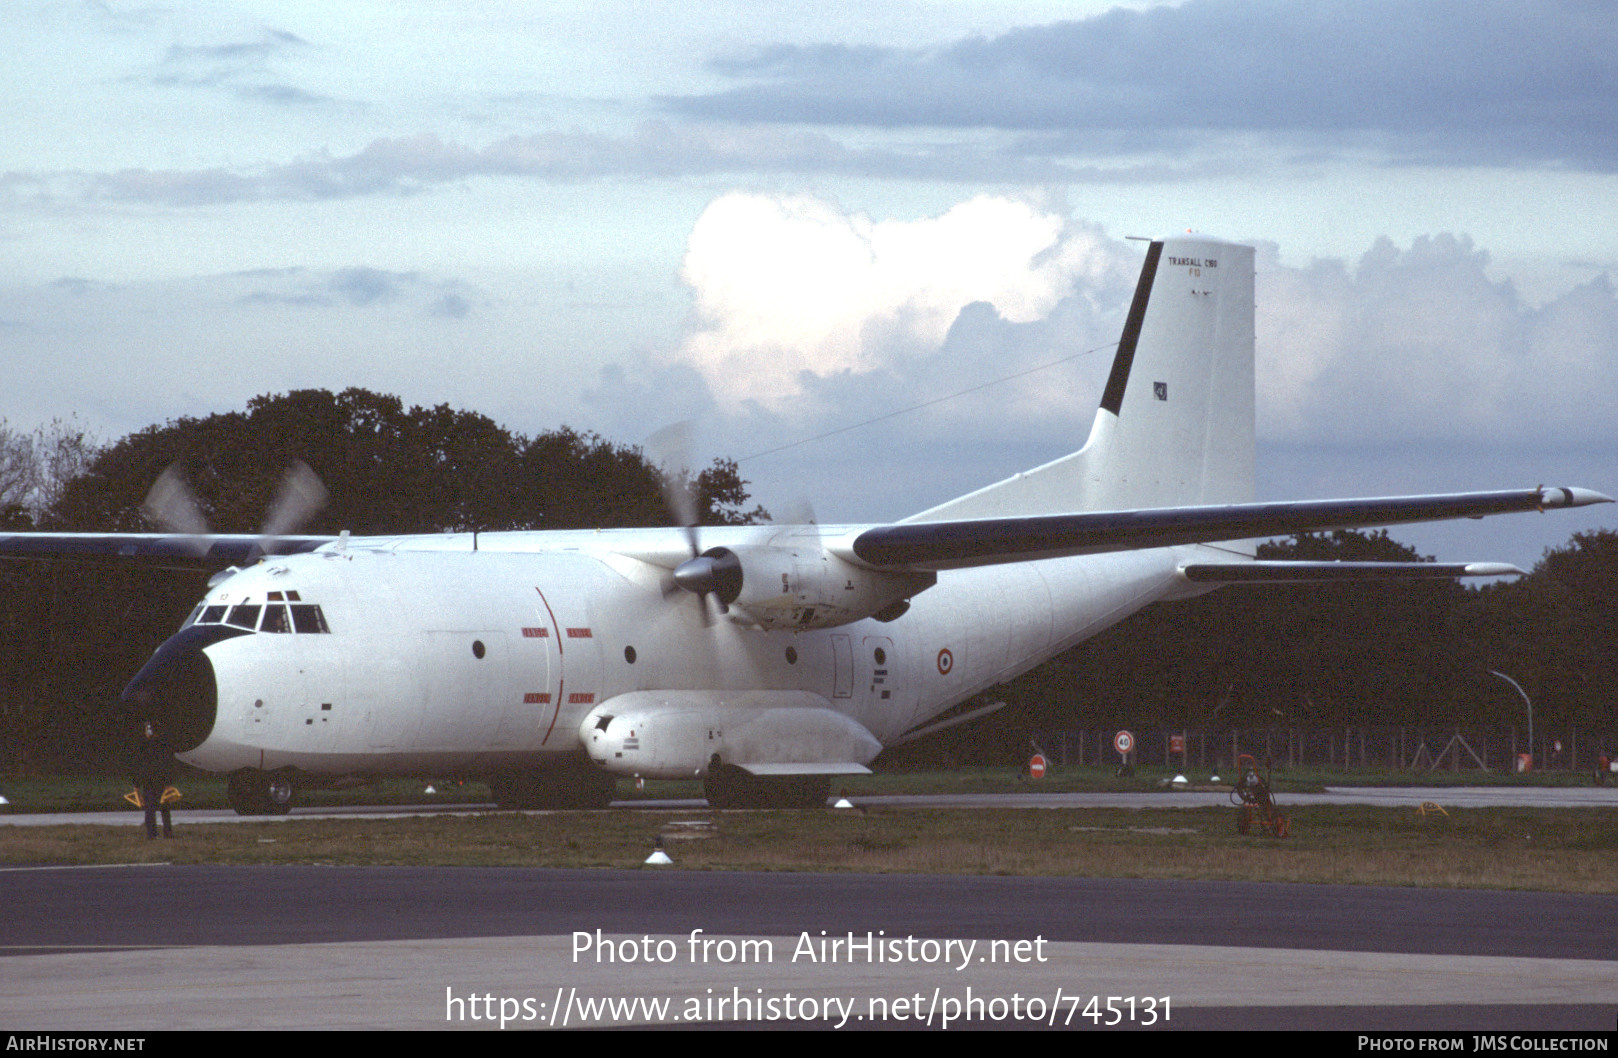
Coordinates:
[1563,496]
[1494,569]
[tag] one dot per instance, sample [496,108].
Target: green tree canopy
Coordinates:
[389,469]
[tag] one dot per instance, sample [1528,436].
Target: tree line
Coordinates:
[1392,652]
[1321,656]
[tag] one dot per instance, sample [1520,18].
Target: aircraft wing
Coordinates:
[920,546]
[229,549]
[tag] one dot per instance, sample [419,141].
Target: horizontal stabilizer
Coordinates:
[1329,572]
[952,545]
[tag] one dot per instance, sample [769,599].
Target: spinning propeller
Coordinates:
[173,507]
[715,575]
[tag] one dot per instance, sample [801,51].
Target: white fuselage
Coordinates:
[445,659]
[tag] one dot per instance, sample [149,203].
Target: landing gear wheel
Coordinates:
[239,792]
[727,786]
[810,791]
[259,793]
[277,795]
[722,786]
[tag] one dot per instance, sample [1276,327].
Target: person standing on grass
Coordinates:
[154,771]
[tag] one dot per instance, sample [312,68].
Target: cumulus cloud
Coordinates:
[791,291]
[808,313]
[1421,344]
[1468,81]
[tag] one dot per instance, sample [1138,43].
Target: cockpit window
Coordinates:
[279,617]
[244,616]
[307,618]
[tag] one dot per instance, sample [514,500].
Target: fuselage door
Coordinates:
[842,650]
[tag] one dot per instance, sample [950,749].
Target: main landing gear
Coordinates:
[728,786]
[259,793]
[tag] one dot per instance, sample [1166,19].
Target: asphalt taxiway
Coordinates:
[156,947]
[1383,796]
[152,947]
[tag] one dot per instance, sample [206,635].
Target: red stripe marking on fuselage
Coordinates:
[553,619]
[554,713]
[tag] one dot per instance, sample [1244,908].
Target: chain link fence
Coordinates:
[1373,748]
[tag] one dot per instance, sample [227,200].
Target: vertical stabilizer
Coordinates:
[1175,426]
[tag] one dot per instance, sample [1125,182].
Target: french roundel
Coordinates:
[946,661]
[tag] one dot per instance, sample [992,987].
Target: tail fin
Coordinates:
[1175,426]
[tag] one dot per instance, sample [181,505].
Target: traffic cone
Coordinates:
[658,858]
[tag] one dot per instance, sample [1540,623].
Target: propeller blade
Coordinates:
[174,508]
[670,449]
[300,497]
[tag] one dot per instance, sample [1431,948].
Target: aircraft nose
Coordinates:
[176,688]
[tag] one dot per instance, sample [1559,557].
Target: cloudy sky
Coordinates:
[785,220]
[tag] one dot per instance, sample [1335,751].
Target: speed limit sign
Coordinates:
[1123,742]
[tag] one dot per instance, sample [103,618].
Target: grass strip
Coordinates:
[1555,850]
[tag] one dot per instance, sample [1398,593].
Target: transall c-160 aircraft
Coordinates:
[761,659]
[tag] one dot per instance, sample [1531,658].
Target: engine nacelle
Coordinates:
[799,587]
[678,734]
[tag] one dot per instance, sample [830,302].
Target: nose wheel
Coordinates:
[252,792]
